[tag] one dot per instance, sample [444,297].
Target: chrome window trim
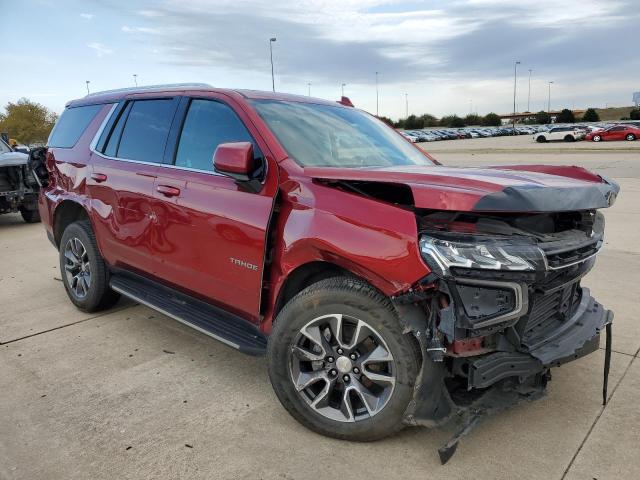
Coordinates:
[521,300]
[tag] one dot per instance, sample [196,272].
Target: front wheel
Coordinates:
[630,137]
[340,363]
[84,273]
[597,138]
[541,139]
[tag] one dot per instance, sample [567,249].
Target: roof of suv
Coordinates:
[108,96]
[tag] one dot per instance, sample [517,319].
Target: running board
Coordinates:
[213,321]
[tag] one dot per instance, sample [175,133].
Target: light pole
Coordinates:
[377,111]
[529,94]
[309,87]
[406,105]
[87,82]
[342,87]
[515,80]
[549,101]
[273,81]
[135,79]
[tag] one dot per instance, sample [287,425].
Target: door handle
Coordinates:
[168,191]
[98,177]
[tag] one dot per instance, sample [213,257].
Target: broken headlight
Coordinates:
[444,251]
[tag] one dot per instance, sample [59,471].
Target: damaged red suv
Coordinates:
[385,289]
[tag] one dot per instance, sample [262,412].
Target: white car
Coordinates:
[568,134]
[409,137]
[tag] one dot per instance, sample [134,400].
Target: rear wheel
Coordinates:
[569,138]
[597,138]
[30,216]
[84,273]
[630,137]
[541,139]
[340,363]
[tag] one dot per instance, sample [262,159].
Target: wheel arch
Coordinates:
[303,276]
[65,213]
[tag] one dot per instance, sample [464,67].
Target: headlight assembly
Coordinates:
[480,252]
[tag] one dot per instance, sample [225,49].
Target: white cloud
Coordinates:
[87,16]
[100,49]
[128,29]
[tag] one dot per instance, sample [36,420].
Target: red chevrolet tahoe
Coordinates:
[384,288]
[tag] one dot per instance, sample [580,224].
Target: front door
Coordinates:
[210,233]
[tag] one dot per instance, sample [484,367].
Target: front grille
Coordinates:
[548,311]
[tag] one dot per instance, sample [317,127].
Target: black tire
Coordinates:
[30,216]
[98,296]
[353,297]
[541,139]
[630,137]
[569,138]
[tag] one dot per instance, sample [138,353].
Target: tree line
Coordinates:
[414,122]
[26,121]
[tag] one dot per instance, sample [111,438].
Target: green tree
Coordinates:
[412,122]
[543,117]
[590,115]
[492,120]
[429,120]
[452,121]
[566,116]
[27,121]
[473,119]
[634,114]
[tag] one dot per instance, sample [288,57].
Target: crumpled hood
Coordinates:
[12,159]
[511,188]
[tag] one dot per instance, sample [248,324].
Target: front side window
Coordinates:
[71,125]
[335,136]
[145,131]
[208,124]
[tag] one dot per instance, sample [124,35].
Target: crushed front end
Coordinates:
[503,304]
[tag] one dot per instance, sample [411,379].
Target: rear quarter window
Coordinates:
[71,125]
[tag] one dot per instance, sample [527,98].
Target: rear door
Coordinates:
[210,233]
[125,162]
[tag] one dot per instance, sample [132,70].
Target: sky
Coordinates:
[444,57]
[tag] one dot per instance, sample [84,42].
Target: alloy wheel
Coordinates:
[77,267]
[342,368]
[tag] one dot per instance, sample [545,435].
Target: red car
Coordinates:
[384,288]
[615,132]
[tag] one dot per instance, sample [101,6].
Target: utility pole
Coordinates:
[377,111]
[549,101]
[309,87]
[87,82]
[135,79]
[515,82]
[529,95]
[273,81]
[342,87]
[406,105]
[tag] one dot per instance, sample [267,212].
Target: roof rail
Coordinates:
[167,86]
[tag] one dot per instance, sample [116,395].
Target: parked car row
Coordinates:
[432,135]
[541,133]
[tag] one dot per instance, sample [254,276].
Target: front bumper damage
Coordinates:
[557,323]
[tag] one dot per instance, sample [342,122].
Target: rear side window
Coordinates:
[71,125]
[142,134]
[208,124]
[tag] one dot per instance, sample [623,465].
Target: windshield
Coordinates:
[327,136]
[4,148]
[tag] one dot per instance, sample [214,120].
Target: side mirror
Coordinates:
[235,160]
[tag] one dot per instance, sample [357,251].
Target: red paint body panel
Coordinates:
[614,133]
[457,188]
